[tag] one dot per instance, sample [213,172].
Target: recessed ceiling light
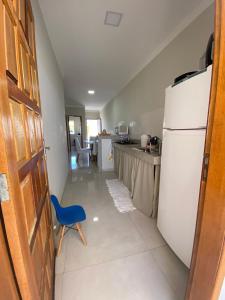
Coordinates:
[113,18]
[91,92]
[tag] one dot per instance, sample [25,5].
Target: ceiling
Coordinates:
[104,58]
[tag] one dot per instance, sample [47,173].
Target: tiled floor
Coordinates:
[126,257]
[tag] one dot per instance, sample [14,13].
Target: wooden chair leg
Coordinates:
[78,228]
[61,239]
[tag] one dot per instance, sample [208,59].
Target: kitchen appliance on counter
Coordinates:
[144,140]
[155,145]
[122,131]
[151,144]
[184,129]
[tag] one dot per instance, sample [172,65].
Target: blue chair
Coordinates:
[69,217]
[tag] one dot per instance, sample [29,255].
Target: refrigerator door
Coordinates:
[186,104]
[181,165]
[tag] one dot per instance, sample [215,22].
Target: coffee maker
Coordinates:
[155,145]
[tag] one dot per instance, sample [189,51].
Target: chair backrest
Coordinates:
[77,142]
[56,204]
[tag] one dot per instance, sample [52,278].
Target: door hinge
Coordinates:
[4,191]
[205,166]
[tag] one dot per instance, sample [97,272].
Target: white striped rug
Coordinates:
[120,195]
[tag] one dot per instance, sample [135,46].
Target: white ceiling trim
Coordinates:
[186,22]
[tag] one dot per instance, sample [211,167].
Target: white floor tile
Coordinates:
[126,257]
[147,228]
[175,271]
[111,237]
[132,278]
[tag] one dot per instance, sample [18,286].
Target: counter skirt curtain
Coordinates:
[141,178]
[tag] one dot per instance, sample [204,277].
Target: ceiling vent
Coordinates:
[113,18]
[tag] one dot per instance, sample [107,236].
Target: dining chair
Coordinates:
[69,217]
[81,150]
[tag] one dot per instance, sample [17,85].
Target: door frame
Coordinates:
[68,130]
[208,258]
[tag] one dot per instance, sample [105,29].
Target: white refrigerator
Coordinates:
[184,129]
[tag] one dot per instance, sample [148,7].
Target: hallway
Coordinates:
[126,257]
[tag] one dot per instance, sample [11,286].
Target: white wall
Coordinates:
[141,103]
[92,114]
[53,106]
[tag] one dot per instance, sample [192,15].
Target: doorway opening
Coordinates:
[74,130]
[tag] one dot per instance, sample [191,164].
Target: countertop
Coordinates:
[153,159]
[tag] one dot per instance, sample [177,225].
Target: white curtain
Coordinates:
[141,178]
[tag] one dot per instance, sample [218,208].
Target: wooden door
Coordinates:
[26,209]
[208,260]
[8,284]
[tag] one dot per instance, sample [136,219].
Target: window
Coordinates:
[93,127]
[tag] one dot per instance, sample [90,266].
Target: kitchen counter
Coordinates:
[139,171]
[134,150]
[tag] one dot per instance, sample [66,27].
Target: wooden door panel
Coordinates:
[51,248]
[31,131]
[8,285]
[27,214]
[24,62]
[47,280]
[30,29]
[37,187]
[43,228]
[15,5]
[19,130]
[38,259]
[48,273]
[42,171]
[48,268]
[10,44]
[35,88]
[37,96]
[46,291]
[29,205]
[22,13]
[49,219]
[38,131]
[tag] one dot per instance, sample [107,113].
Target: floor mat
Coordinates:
[120,195]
